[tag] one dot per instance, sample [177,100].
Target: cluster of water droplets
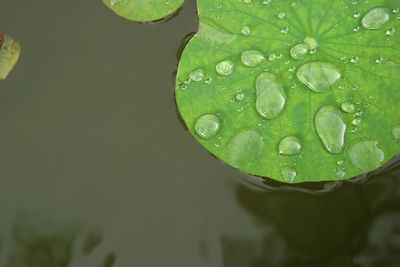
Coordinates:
[330,121]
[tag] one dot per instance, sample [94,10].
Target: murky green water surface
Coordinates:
[96,168]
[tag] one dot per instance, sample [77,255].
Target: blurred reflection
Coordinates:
[354,225]
[32,241]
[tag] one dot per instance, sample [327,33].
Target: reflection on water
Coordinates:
[33,241]
[355,225]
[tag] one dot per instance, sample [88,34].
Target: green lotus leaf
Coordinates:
[297,91]
[143,10]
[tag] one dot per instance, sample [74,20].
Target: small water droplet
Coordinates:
[281,15]
[339,172]
[246,30]
[239,97]
[396,131]
[379,60]
[354,60]
[285,30]
[340,162]
[207,126]
[252,58]
[299,51]
[197,75]
[348,107]
[376,18]
[114,2]
[356,122]
[288,173]
[365,154]
[318,76]
[271,97]
[224,67]
[390,32]
[290,145]
[272,57]
[331,128]
[311,43]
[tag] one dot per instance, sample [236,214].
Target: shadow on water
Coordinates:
[33,241]
[355,225]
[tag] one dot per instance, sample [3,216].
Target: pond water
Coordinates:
[97,169]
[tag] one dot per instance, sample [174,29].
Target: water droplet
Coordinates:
[379,60]
[244,149]
[340,173]
[288,173]
[365,154]
[252,58]
[290,145]
[311,43]
[390,32]
[331,128]
[340,162]
[207,126]
[299,51]
[281,15]
[272,57]
[376,18]
[354,60]
[285,30]
[114,2]
[239,97]
[224,67]
[348,107]
[318,76]
[356,122]
[396,131]
[271,97]
[197,75]
[246,30]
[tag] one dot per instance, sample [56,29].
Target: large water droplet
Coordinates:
[271,97]
[318,76]
[207,126]
[290,145]
[299,51]
[331,128]
[288,173]
[365,154]
[396,131]
[244,149]
[197,75]
[252,58]
[224,67]
[376,18]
